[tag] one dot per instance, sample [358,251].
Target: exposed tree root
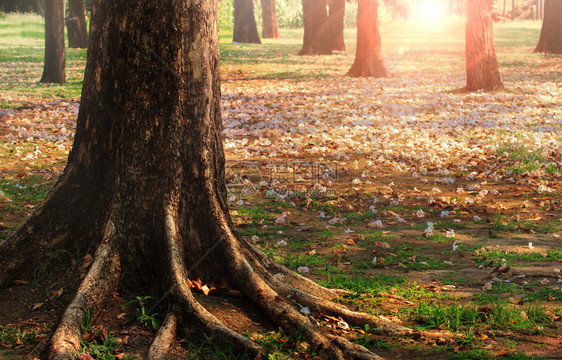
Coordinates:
[321,305]
[165,338]
[250,271]
[191,308]
[356,351]
[291,277]
[99,283]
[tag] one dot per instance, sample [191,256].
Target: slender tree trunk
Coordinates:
[145,189]
[270,27]
[550,40]
[245,28]
[316,39]
[336,23]
[481,63]
[53,69]
[76,24]
[369,60]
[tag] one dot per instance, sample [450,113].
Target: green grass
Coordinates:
[457,317]
[544,294]
[256,214]
[30,190]
[451,278]
[12,336]
[361,285]
[497,256]
[381,283]
[526,226]
[411,259]
[525,157]
[98,342]
[488,298]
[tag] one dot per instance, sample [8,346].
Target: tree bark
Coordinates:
[270,27]
[550,40]
[245,28]
[316,39]
[53,69]
[145,189]
[336,23]
[481,62]
[369,61]
[76,24]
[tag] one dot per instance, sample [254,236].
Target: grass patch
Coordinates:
[525,226]
[29,191]
[451,278]
[99,342]
[361,285]
[526,158]
[13,336]
[458,317]
[497,256]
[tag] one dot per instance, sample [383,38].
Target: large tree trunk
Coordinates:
[336,23]
[481,62]
[53,69]
[145,188]
[245,28]
[76,24]
[369,61]
[551,32]
[270,27]
[316,39]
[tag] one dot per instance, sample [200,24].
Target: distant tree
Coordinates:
[369,61]
[336,14]
[19,5]
[53,69]
[481,62]
[76,24]
[550,40]
[270,27]
[245,28]
[316,39]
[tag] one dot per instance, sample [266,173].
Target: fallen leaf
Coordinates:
[20,282]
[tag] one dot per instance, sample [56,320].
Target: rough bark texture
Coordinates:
[316,39]
[53,70]
[481,62]
[369,61]
[270,27]
[76,24]
[245,28]
[336,15]
[145,189]
[551,32]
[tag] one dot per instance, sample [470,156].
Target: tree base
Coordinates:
[254,275]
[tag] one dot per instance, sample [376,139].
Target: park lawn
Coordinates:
[351,172]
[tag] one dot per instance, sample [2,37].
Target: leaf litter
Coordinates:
[410,155]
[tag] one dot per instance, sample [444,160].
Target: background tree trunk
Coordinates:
[76,24]
[550,40]
[481,62]
[245,28]
[53,69]
[316,38]
[336,23]
[270,27]
[368,54]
